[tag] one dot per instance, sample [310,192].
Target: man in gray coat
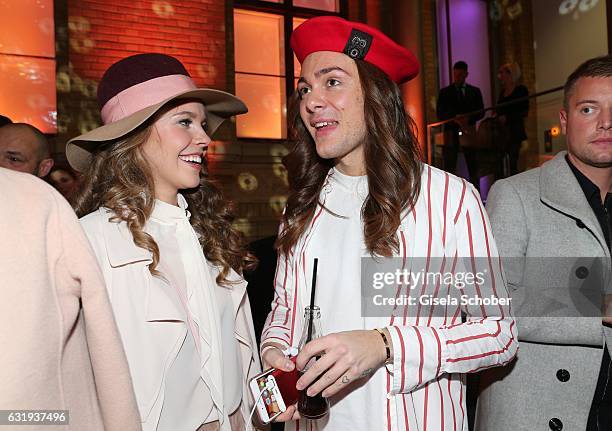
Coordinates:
[552,226]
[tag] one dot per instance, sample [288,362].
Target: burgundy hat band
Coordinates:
[143,95]
[134,70]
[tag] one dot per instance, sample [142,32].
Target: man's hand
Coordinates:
[274,357]
[349,356]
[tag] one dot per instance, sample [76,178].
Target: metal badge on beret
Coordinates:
[358,44]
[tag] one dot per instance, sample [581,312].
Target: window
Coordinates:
[27,63]
[260,73]
[264,76]
[326,5]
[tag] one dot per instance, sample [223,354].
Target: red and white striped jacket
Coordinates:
[432,350]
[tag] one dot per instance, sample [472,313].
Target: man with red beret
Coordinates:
[359,191]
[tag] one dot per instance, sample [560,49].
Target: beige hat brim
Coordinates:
[220,105]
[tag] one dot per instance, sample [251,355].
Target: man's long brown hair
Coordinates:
[393,166]
[119,178]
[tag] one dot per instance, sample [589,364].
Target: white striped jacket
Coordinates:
[432,351]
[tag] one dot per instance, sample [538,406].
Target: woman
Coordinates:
[163,237]
[511,115]
[65,180]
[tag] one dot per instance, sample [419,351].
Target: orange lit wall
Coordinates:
[101,32]
[27,28]
[27,63]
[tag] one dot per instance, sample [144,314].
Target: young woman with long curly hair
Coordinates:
[163,236]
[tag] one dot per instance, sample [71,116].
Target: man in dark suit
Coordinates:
[457,99]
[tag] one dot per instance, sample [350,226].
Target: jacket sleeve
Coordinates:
[251,365]
[478,105]
[279,323]
[486,339]
[510,226]
[523,106]
[109,364]
[444,106]
[92,225]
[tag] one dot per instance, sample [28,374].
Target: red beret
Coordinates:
[358,41]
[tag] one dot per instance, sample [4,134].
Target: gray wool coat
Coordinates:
[542,220]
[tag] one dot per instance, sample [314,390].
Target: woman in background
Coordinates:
[511,116]
[64,179]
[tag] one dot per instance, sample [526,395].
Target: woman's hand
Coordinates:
[348,356]
[273,357]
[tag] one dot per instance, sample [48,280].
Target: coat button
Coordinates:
[563,375]
[580,224]
[582,272]
[555,424]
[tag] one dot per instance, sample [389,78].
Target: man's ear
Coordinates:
[44,167]
[563,120]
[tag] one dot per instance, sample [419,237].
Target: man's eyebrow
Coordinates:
[324,71]
[15,153]
[327,70]
[580,102]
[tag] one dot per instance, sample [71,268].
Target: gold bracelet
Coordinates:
[389,359]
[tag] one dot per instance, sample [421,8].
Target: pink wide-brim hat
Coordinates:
[134,89]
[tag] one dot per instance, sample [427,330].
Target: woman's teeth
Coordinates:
[191,159]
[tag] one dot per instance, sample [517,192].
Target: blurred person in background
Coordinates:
[24,148]
[64,178]
[453,101]
[64,181]
[511,116]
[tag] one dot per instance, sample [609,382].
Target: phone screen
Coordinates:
[270,395]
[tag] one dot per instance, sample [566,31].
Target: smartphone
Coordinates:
[275,390]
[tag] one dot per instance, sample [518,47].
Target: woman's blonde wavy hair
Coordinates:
[119,178]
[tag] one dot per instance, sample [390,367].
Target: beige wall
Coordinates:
[563,39]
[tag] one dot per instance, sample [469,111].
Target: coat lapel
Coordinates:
[560,190]
[238,291]
[160,301]
[120,247]
[242,330]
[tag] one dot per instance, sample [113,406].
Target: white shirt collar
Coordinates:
[166,213]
